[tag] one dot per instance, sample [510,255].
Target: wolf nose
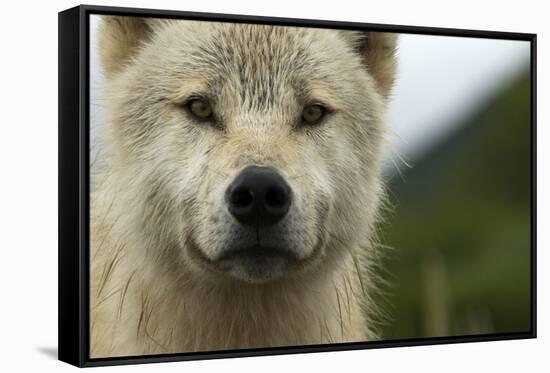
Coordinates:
[258,195]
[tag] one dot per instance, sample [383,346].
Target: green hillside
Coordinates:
[460,228]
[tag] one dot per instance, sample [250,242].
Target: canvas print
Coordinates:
[262,186]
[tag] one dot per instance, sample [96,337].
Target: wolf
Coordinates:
[238,203]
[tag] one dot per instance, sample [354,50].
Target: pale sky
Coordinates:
[440,81]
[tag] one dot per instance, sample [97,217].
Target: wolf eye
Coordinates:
[313,114]
[200,108]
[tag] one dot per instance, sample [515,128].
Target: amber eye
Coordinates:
[313,114]
[200,108]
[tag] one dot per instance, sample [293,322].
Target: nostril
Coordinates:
[276,197]
[242,197]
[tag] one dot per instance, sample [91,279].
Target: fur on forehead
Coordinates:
[121,38]
[249,43]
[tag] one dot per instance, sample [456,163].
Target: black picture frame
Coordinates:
[74,128]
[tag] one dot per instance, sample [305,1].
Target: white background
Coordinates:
[28,185]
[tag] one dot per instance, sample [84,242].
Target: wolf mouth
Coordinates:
[258,253]
[252,255]
[259,260]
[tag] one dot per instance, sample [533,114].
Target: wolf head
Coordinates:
[246,152]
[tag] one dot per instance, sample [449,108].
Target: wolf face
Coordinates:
[249,152]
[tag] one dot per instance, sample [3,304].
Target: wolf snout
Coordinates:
[259,196]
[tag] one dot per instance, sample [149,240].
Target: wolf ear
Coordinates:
[120,38]
[378,51]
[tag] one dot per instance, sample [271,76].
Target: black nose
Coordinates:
[258,195]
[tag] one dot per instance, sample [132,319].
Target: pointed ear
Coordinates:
[378,51]
[119,39]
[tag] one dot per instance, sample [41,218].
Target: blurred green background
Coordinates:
[459,229]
